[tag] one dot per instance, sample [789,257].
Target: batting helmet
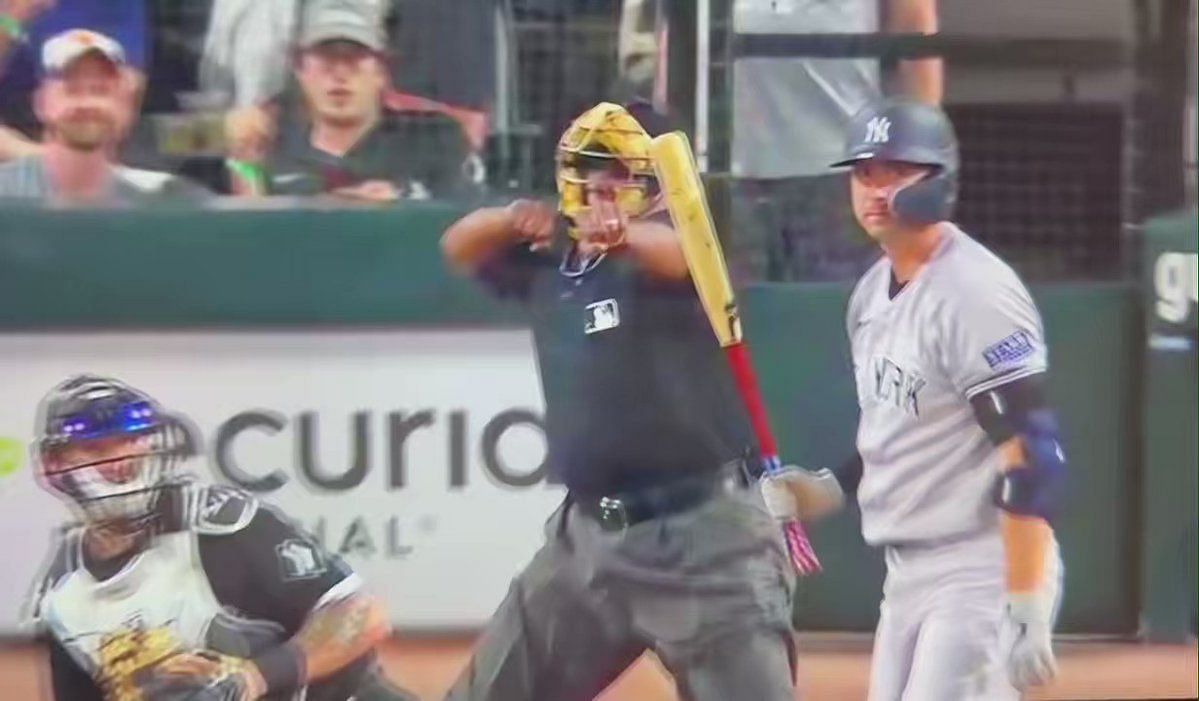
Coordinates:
[124,488]
[912,132]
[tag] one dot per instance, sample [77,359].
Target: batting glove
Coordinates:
[1031,661]
[798,494]
[1031,616]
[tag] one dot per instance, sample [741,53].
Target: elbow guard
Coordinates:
[1034,489]
[1019,410]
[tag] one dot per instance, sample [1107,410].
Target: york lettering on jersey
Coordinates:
[897,387]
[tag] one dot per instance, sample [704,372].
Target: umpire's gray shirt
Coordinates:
[789,114]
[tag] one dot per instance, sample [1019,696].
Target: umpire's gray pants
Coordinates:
[707,589]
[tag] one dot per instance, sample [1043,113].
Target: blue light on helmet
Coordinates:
[102,421]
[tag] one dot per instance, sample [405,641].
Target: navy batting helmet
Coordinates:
[912,132]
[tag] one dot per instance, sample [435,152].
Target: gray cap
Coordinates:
[344,22]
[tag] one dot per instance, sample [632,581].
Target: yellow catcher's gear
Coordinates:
[602,137]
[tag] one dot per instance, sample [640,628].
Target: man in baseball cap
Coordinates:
[86,102]
[26,25]
[81,61]
[349,146]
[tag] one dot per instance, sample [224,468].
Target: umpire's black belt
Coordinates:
[619,511]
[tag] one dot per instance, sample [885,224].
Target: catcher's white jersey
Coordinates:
[160,600]
[221,574]
[964,324]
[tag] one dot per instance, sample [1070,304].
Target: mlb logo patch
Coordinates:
[601,316]
[1009,350]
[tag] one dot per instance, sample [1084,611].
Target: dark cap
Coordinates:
[900,129]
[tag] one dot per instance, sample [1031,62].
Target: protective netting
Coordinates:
[1041,186]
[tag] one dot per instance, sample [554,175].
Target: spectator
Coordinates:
[455,54]
[789,115]
[246,59]
[641,50]
[25,25]
[84,101]
[244,65]
[349,146]
[246,49]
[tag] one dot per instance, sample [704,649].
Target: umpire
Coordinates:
[660,543]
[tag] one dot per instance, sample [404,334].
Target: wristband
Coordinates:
[12,27]
[252,173]
[282,667]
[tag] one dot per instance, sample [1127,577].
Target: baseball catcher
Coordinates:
[170,590]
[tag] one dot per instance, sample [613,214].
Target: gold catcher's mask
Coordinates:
[605,137]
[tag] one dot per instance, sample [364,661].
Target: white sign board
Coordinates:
[418,455]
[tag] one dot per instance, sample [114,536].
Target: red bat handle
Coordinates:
[798,545]
[751,396]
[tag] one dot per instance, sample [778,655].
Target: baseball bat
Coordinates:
[683,191]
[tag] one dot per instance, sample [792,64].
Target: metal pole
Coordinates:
[1191,120]
[703,60]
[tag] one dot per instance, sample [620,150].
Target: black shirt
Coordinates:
[425,156]
[265,573]
[637,390]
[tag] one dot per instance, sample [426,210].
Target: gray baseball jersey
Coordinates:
[964,324]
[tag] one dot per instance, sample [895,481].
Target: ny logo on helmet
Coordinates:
[878,130]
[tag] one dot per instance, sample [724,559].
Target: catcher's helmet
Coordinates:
[123,488]
[912,132]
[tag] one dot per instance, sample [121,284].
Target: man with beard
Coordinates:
[85,102]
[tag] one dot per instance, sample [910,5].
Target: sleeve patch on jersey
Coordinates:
[299,560]
[222,510]
[1011,349]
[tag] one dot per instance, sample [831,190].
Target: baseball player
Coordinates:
[959,460]
[660,543]
[170,590]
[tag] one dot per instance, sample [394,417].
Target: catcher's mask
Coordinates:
[108,450]
[604,138]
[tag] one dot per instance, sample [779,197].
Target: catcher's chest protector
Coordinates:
[161,602]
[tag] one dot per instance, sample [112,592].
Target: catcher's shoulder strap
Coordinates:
[217,509]
[63,559]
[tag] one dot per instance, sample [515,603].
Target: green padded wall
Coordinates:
[1171,453]
[317,267]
